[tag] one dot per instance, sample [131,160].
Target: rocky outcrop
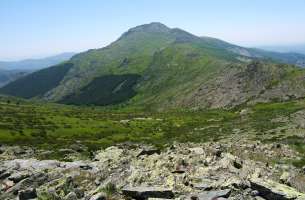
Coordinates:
[181,171]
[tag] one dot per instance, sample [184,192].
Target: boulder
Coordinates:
[143,192]
[271,190]
[26,194]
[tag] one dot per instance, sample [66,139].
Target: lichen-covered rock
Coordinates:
[272,190]
[175,172]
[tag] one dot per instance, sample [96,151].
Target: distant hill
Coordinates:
[35,64]
[11,71]
[154,66]
[7,76]
[286,48]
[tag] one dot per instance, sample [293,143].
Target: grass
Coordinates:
[54,126]
[48,125]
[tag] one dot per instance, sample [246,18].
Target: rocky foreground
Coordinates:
[210,171]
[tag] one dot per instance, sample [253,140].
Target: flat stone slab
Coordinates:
[271,190]
[144,192]
[214,194]
[210,195]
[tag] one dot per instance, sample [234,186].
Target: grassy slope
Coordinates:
[105,90]
[37,83]
[54,126]
[178,70]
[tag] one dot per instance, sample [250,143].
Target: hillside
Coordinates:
[7,76]
[40,82]
[154,66]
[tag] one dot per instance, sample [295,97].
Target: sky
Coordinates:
[38,28]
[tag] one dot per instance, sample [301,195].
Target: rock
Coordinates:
[5,175]
[7,184]
[99,196]
[212,195]
[30,182]
[143,192]
[111,153]
[149,151]
[26,164]
[197,150]
[237,164]
[157,199]
[26,194]
[71,196]
[271,190]
[285,178]
[18,176]
[202,186]
[180,169]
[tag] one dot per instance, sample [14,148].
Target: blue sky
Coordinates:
[37,28]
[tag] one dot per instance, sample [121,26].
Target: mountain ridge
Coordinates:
[37,63]
[174,68]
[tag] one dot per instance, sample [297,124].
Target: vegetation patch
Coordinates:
[37,83]
[105,90]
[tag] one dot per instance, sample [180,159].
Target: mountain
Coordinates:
[7,76]
[35,64]
[11,71]
[285,48]
[154,66]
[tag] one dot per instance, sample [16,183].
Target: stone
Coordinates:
[212,195]
[71,196]
[149,151]
[237,164]
[201,186]
[32,181]
[111,153]
[99,196]
[18,176]
[26,194]
[7,184]
[5,175]
[285,178]
[271,190]
[157,199]
[197,150]
[144,192]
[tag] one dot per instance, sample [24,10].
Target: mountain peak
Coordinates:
[154,27]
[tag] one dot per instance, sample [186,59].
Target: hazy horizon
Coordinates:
[35,29]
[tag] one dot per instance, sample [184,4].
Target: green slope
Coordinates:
[37,83]
[105,90]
